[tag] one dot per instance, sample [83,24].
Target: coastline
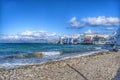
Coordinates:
[101,66]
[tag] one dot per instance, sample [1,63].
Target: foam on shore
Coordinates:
[52,53]
[48,57]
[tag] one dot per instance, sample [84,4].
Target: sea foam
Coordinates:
[53,53]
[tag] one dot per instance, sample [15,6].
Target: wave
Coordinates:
[12,65]
[98,48]
[47,57]
[32,55]
[52,53]
[83,54]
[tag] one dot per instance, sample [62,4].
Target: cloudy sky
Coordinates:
[57,17]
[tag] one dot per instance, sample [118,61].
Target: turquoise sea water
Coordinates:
[10,53]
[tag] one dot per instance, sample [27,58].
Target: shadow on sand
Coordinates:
[117,77]
[78,72]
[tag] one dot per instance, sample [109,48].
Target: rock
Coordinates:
[38,55]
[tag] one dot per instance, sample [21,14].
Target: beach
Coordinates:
[101,66]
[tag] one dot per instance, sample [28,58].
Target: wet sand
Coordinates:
[102,66]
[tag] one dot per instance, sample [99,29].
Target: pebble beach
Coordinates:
[101,66]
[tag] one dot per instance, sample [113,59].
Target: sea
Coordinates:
[14,55]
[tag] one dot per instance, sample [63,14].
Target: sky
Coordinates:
[59,16]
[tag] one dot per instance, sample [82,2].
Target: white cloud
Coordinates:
[74,23]
[89,31]
[30,36]
[102,21]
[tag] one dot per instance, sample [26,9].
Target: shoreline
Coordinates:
[64,57]
[103,65]
[40,55]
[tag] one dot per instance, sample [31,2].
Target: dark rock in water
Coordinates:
[38,55]
[115,48]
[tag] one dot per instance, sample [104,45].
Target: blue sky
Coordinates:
[59,16]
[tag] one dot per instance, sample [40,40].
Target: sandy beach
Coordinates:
[102,66]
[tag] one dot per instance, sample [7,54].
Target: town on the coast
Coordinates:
[91,38]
